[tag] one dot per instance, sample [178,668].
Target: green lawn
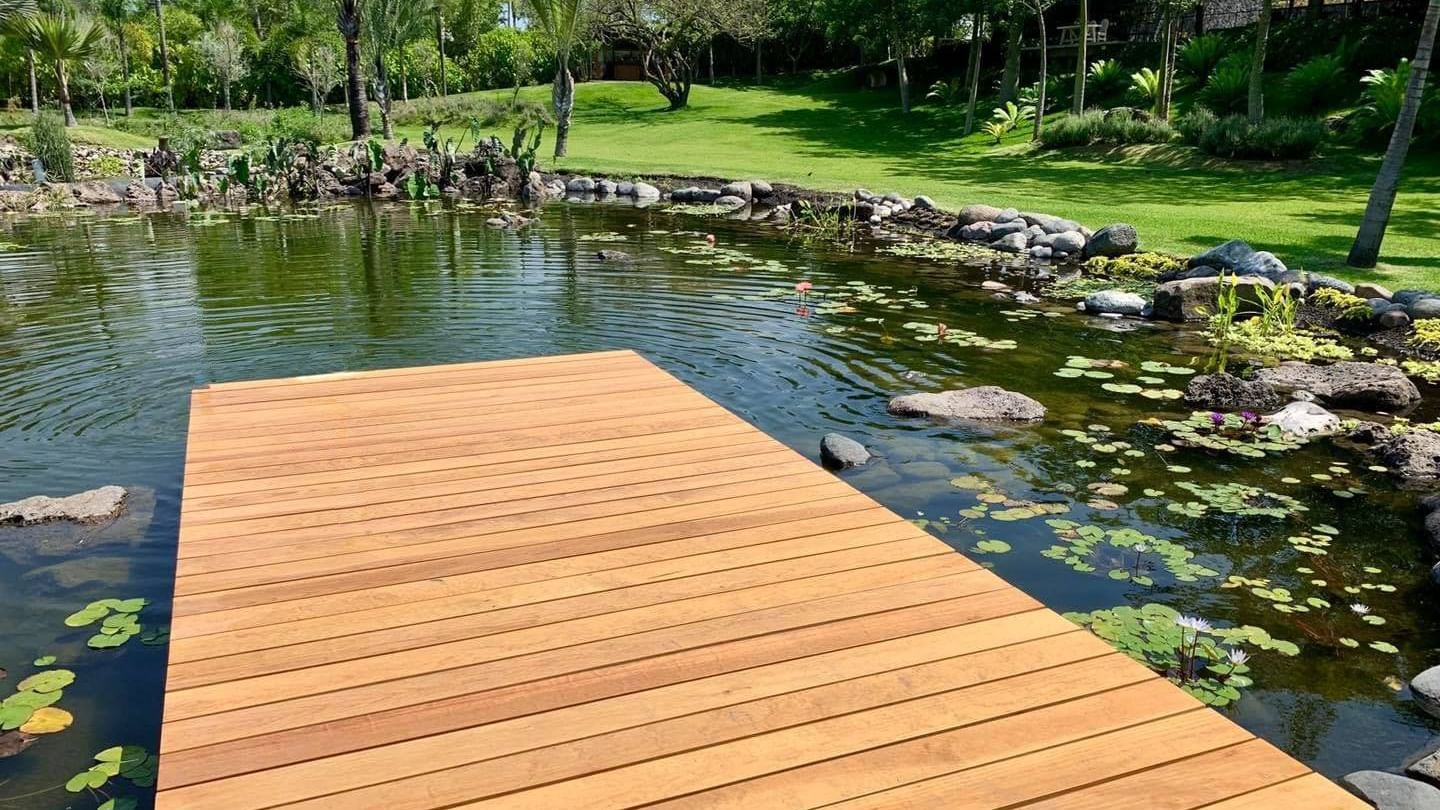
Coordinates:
[820,136]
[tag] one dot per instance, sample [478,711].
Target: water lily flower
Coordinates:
[1141,548]
[1249,416]
[1216,418]
[1194,623]
[941,329]
[1359,609]
[803,287]
[710,239]
[1237,656]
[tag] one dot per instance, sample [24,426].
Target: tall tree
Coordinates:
[902,26]
[349,17]
[1082,58]
[753,22]
[389,26]
[1039,130]
[224,50]
[440,35]
[319,67]
[117,14]
[10,12]
[1366,250]
[1257,62]
[560,20]
[60,39]
[670,35]
[977,46]
[164,56]
[1013,15]
[1170,13]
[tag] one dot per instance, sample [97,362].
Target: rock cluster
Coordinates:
[580,187]
[1362,386]
[1040,236]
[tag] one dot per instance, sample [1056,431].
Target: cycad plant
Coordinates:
[59,39]
[1198,59]
[1107,78]
[1145,87]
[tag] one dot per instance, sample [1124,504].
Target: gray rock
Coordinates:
[1304,419]
[137,193]
[1022,297]
[740,188]
[645,191]
[1408,297]
[1394,319]
[1224,256]
[1114,301]
[1316,281]
[614,257]
[1011,243]
[1427,767]
[1226,392]
[625,188]
[1050,224]
[883,211]
[1191,299]
[497,222]
[705,195]
[838,451]
[1034,233]
[606,187]
[971,214]
[1119,239]
[1387,791]
[580,185]
[730,202]
[1435,575]
[977,232]
[1000,229]
[1010,215]
[683,195]
[894,198]
[987,402]
[91,506]
[1368,290]
[1413,455]
[759,189]
[1425,689]
[1041,252]
[1362,386]
[1068,242]
[1424,308]
[924,202]
[96,192]
[1264,264]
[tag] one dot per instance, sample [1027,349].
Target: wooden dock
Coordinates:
[574,582]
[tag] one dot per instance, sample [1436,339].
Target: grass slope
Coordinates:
[827,136]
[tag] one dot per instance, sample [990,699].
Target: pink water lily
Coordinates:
[803,287]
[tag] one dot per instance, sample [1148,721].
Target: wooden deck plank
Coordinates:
[573,581]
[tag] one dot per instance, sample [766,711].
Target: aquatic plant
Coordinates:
[1241,435]
[1427,370]
[939,250]
[1080,286]
[31,711]
[1142,266]
[1208,662]
[932,332]
[1342,305]
[1427,334]
[131,763]
[117,617]
[1082,548]
[1235,499]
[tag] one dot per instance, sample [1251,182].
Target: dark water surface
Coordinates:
[105,326]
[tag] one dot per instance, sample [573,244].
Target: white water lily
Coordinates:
[1359,609]
[1237,656]
[1194,623]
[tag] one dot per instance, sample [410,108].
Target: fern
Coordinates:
[1315,85]
[1145,87]
[1201,55]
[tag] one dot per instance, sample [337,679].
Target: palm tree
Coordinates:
[1257,63]
[59,39]
[1366,249]
[560,20]
[349,18]
[1082,58]
[116,14]
[11,10]
[164,56]
[390,25]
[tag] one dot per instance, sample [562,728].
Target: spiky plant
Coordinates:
[60,39]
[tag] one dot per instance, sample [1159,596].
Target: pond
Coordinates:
[107,324]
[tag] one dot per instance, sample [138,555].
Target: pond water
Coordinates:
[105,325]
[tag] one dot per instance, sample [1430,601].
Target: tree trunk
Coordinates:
[225,88]
[1082,58]
[1044,74]
[1257,63]
[712,61]
[759,71]
[382,96]
[904,78]
[562,93]
[1366,249]
[1167,67]
[164,57]
[34,82]
[404,76]
[1011,78]
[125,69]
[977,39]
[440,43]
[355,90]
[62,90]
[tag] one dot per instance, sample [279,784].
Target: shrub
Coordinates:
[1427,334]
[1384,96]
[1144,87]
[1273,139]
[303,126]
[1228,90]
[52,146]
[1200,56]
[501,57]
[1316,84]
[1107,79]
[1194,124]
[1144,266]
[1099,127]
[1342,305]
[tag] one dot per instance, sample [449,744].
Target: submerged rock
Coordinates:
[838,451]
[1226,392]
[1387,791]
[645,191]
[1414,455]
[614,257]
[988,402]
[1425,688]
[1114,301]
[1304,419]
[1363,386]
[91,506]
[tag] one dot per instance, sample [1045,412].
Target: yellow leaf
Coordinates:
[47,721]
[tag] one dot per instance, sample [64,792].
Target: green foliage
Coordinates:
[1099,127]
[1427,334]
[1383,98]
[129,762]
[51,144]
[118,619]
[1141,266]
[1235,499]
[503,57]
[1228,90]
[1230,433]
[1200,56]
[1234,137]
[1144,88]
[1342,305]
[1126,555]
[1005,119]
[947,92]
[1107,79]
[300,125]
[1315,85]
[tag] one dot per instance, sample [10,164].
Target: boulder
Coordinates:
[1119,239]
[137,193]
[1316,281]
[1050,224]
[1226,392]
[1000,229]
[1224,257]
[606,187]
[1387,791]
[534,190]
[1368,290]
[1393,319]
[971,214]
[226,139]
[925,203]
[1010,215]
[1425,689]
[976,232]
[1408,297]
[987,402]
[1114,301]
[1362,386]
[1413,455]
[614,257]
[1068,242]
[760,189]
[1424,308]
[1041,252]
[91,506]
[1011,243]
[740,188]
[1264,264]
[838,451]
[704,195]
[1425,768]
[729,201]
[1304,419]
[1192,299]
[645,191]
[96,192]
[625,188]
[580,185]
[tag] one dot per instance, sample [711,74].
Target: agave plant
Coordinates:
[59,39]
